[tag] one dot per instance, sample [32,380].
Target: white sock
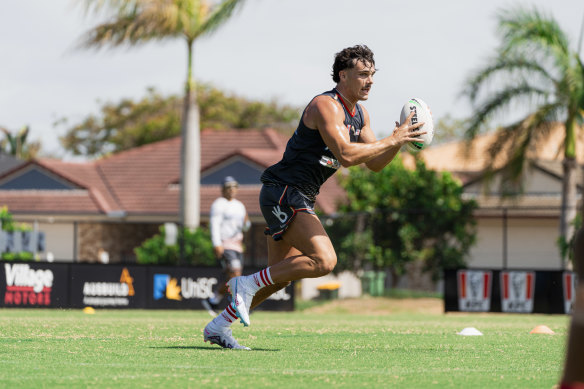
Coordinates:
[226,318]
[260,279]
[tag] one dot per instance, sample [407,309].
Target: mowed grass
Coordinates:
[319,347]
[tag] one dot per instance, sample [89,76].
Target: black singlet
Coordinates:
[307,162]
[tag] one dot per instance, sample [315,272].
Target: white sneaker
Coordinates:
[241,298]
[221,336]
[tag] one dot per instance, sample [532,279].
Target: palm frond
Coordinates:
[219,15]
[498,102]
[515,142]
[137,21]
[521,27]
[505,66]
[121,7]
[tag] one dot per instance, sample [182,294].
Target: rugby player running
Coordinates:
[334,131]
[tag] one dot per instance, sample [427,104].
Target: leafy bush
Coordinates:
[399,216]
[198,249]
[20,256]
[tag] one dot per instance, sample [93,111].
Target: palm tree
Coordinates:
[536,68]
[17,145]
[140,21]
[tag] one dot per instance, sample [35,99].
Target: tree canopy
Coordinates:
[135,22]
[399,216]
[130,123]
[17,144]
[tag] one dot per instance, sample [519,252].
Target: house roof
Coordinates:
[462,157]
[468,162]
[8,162]
[143,181]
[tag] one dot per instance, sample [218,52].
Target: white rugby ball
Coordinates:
[422,113]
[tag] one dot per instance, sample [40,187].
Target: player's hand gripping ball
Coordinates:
[422,113]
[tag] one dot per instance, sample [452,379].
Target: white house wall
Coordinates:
[531,244]
[59,240]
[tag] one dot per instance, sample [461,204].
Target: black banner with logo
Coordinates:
[509,291]
[183,287]
[180,287]
[34,285]
[77,285]
[108,286]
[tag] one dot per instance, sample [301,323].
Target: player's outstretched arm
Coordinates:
[367,136]
[327,117]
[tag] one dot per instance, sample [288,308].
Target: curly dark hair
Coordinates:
[348,58]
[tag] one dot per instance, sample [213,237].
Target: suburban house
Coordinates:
[114,203]
[513,232]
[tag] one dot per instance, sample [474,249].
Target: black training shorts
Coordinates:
[231,260]
[279,205]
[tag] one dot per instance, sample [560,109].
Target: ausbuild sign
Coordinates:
[109,286]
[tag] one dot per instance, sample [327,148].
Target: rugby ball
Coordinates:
[422,113]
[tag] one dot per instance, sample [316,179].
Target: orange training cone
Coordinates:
[541,329]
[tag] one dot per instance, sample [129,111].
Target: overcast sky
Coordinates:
[280,49]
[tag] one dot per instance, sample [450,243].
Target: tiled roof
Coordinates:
[468,163]
[142,181]
[461,157]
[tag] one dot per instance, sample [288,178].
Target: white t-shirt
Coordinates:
[227,223]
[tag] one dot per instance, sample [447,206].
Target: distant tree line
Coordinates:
[129,123]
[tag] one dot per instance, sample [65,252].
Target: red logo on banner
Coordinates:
[474,290]
[517,289]
[570,279]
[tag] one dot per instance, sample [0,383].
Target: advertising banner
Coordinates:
[569,283]
[474,290]
[109,286]
[517,291]
[513,291]
[78,285]
[179,288]
[34,285]
[176,288]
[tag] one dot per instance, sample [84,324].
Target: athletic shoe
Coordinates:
[221,336]
[210,307]
[241,297]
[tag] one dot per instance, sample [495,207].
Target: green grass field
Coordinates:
[324,346]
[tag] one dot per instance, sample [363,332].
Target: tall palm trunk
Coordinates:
[569,184]
[190,152]
[569,199]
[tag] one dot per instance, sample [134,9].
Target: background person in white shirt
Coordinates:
[228,222]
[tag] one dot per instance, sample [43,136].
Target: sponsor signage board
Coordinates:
[474,290]
[512,290]
[517,291]
[176,288]
[108,286]
[569,283]
[77,285]
[34,285]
